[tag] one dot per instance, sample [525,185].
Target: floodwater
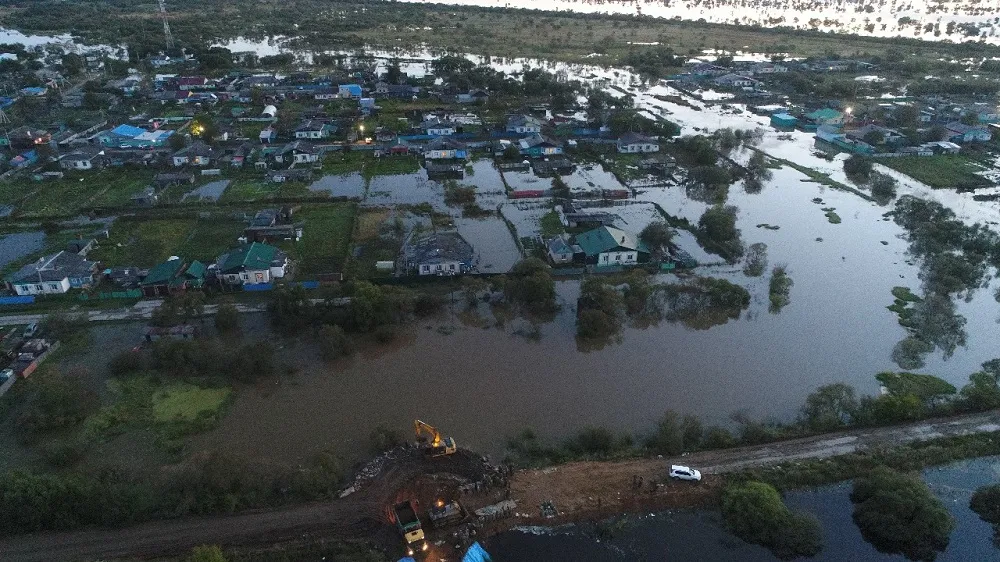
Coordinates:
[211,191]
[18,245]
[699,535]
[347,185]
[862,18]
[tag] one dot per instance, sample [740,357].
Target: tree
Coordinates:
[898,514]
[756,260]
[983,390]
[600,309]
[669,438]
[883,187]
[176,141]
[858,168]
[73,64]
[511,152]
[227,319]
[829,407]
[717,226]
[57,400]
[530,285]
[754,512]
[207,553]
[656,235]
[91,101]
[986,503]
[383,438]
[874,137]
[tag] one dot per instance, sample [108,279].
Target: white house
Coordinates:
[251,264]
[631,143]
[438,128]
[196,154]
[52,275]
[81,159]
[524,124]
[297,153]
[610,246]
[960,132]
[313,129]
[736,81]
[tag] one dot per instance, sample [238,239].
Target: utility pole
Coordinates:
[166,24]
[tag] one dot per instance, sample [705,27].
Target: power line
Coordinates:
[166,25]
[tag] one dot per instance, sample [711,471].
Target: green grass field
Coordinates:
[150,241]
[186,402]
[74,193]
[326,238]
[939,172]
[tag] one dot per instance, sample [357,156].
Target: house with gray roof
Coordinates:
[439,253]
[53,275]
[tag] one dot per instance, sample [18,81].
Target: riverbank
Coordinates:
[579,491]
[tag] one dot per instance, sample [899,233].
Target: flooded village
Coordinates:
[253,258]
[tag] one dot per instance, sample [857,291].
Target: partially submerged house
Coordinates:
[446,149]
[539,146]
[439,253]
[632,143]
[607,246]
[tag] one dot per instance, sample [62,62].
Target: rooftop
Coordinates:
[607,238]
[440,247]
[55,267]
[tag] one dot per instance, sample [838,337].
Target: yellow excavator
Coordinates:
[438,446]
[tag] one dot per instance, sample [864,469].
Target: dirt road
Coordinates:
[577,489]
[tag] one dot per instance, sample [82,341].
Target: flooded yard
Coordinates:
[209,192]
[349,185]
[18,245]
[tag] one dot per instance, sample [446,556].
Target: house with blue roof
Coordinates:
[352,91]
[127,136]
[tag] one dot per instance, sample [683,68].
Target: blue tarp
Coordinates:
[127,131]
[27,299]
[309,284]
[476,553]
[258,287]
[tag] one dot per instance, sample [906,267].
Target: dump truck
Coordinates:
[409,525]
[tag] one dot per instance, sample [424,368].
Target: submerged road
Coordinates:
[575,488]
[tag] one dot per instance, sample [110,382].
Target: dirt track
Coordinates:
[575,489]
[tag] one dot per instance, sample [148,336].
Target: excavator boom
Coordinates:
[438,446]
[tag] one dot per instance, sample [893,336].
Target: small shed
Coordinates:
[783,120]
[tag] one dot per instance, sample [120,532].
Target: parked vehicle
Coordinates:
[30,331]
[409,525]
[685,473]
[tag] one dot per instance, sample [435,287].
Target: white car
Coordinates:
[685,473]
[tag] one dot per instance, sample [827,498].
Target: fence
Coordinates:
[27,299]
[133,294]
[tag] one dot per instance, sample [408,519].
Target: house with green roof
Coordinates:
[251,264]
[608,245]
[173,276]
[821,117]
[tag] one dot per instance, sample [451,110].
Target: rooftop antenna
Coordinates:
[166,25]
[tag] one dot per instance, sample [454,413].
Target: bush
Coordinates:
[898,514]
[718,438]
[531,286]
[600,309]
[56,400]
[227,319]
[829,407]
[383,438]
[754,512]
[717,228]
[127,363]
[207,553]
[334,343]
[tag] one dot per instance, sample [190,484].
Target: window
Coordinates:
[439,268]
[425,268]
[631,256]
[38,288]
[53,286]
[618,257]
[452,267]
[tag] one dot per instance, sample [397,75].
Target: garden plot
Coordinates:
[526,216]
[495,249]
[211,191]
